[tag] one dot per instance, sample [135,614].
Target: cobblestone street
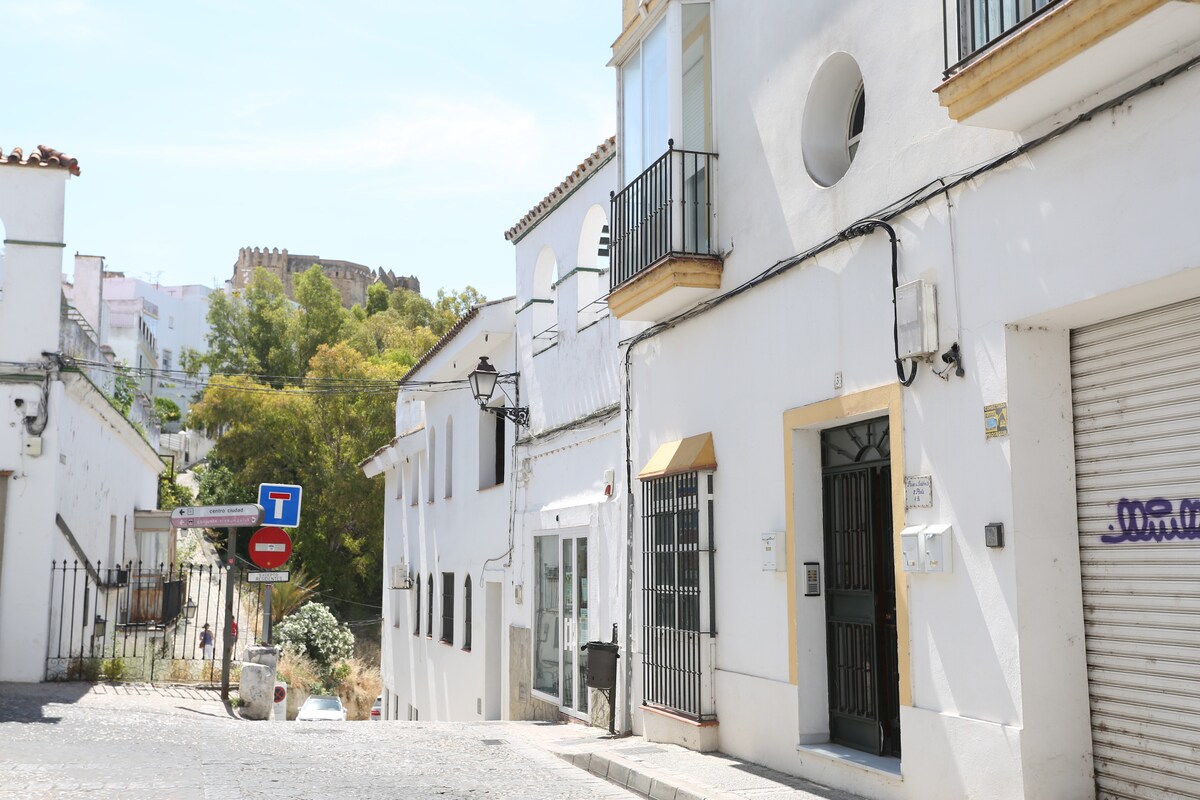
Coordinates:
[66,741]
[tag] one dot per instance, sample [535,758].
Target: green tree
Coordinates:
[251,331]
[172,494]
[321,316]
[377,298]
[167,409]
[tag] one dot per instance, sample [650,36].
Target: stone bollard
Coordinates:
[257,687]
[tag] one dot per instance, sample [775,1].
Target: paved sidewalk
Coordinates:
[663,771]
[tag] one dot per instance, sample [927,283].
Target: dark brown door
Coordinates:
[860,588]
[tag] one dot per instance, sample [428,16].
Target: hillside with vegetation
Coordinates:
[300,393]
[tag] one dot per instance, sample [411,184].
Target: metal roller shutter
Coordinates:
[1136,393]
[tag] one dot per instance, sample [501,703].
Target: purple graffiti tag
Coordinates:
[1154,520]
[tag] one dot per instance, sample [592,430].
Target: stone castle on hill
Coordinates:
[350,279]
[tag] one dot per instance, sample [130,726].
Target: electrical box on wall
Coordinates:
[939,555]
[33,445]
[774,552]
[910,549]
[916,319]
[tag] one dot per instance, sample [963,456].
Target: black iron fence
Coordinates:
[138,621]
[973,27]
[667,210]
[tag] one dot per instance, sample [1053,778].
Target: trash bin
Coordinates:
[601,664]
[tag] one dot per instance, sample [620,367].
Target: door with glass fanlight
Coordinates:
[560,625]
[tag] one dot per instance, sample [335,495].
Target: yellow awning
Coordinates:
[684,455]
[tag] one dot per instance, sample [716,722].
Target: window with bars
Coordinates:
[417,602]
[429,610]
[448,607]
[467,614]
[678,601]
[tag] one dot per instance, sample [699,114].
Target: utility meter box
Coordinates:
[916,319]
[939,553]
[910,549]
[774,552]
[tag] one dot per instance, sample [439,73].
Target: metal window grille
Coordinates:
[429,611]
[677,563]
[667,210]
[417,600]
[467,613]
[448,607]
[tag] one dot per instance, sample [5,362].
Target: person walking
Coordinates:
[206,642]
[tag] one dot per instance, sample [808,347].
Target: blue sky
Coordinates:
[402,134]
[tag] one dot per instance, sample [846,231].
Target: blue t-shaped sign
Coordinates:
[281,504]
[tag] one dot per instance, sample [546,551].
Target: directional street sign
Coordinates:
[281,504]
[217,516]
[269,577]
[270,547]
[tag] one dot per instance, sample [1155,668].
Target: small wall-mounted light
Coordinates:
[189,610]
[483,381]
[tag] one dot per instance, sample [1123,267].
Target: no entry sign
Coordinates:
[270,547]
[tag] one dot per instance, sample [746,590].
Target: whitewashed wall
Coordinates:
[1090,226]
[93,465]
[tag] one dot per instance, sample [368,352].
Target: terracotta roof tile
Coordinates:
[601,156]
[40,156]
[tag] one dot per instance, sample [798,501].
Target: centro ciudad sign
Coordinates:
[239,516]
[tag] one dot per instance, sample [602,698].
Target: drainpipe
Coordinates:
[627,727]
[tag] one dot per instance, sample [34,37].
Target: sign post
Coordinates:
[230,517]
[230,579]
[271,546]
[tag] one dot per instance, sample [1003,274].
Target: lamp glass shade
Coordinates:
[189,610]
[483,380]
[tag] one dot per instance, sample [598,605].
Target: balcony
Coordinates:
[1022,61]
[663,254]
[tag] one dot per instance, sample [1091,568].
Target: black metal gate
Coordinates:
[142,622]
[860,590]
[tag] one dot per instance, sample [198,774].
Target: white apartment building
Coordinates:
[915,540]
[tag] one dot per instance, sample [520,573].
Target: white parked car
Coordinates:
[377,709]
[322,708]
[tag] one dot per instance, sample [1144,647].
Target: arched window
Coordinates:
[592,269]
[429,610]
[449,478]
[544,316]
[467,614]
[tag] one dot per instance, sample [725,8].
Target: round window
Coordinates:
[834,115]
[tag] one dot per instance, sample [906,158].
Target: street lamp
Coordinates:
[189,610]
[483,383]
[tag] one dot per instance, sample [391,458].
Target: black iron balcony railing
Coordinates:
[665,211]
[977,26]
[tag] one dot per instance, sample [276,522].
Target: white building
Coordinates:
[447,530]
[180,315]
[570,567]
[73,470]
[976,584]
[149,328]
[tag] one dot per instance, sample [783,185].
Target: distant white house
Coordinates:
[148,327]
[448,529]
[74,471]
